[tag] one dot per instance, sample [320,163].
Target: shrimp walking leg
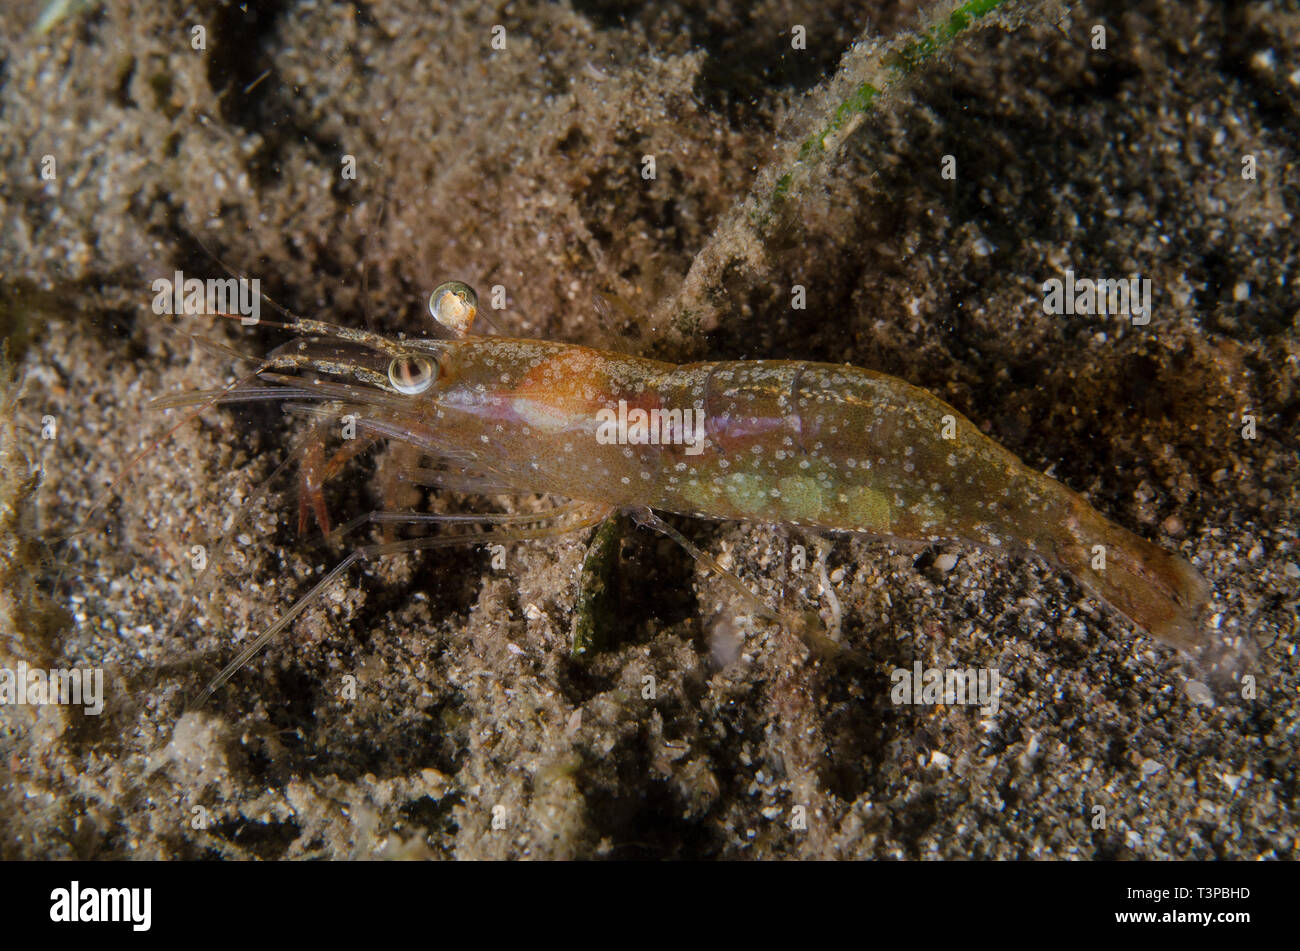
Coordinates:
[572,519]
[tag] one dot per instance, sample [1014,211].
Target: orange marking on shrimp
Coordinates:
[569,386]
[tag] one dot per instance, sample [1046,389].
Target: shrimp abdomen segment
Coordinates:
[835,447]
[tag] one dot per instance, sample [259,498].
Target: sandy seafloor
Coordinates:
[521,167]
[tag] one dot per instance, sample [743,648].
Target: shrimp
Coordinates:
[821,446]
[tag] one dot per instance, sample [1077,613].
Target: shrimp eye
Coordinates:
[411,375]
[454,305]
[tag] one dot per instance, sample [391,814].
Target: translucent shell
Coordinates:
[454,305]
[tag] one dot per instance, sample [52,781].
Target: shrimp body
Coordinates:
[819,445]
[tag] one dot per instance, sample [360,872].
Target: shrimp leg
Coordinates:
[571,519]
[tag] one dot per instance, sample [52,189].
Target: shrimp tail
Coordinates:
[1158,591]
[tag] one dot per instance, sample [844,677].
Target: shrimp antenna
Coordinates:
[275,305]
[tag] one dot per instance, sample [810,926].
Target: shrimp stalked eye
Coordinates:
[411,375]
[454,304]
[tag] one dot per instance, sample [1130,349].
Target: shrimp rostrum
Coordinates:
[823,446]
